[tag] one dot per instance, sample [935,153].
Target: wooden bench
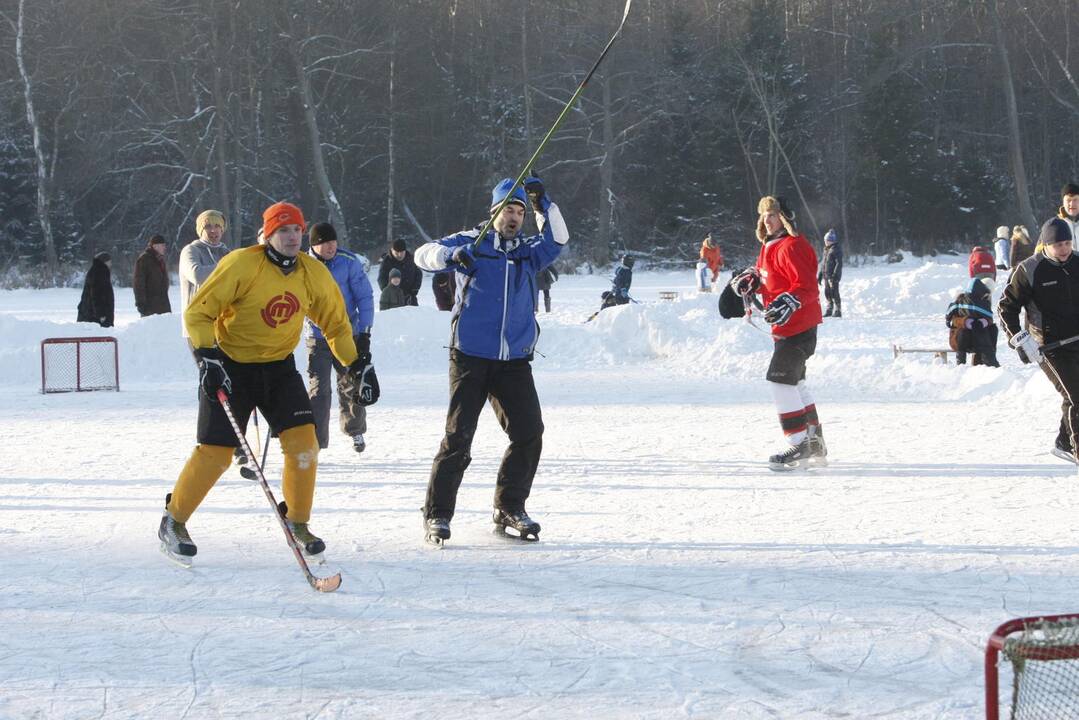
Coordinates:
[668,295]
[898,350]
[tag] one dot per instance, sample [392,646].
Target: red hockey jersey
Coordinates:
[789,264]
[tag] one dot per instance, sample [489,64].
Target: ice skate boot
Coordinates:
[1063,452]
[524,527]
[828,311]
[176,544]
[796,456]
[358,443]
[437,531]
[310,544]
[838,312]
[818,451]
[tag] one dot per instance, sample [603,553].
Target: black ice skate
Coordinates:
[817,449]
[525,527]
[1063,452]
[175,542]
[796,456]
[437,531]
[311,545]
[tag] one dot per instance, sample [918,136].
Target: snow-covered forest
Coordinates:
[920,124]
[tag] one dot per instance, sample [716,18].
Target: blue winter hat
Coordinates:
[829,237]
[502,189]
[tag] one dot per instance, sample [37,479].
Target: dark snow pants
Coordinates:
[320,364]
[1062,368]
[509,385]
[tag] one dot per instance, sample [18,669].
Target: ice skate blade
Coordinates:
[1063,454]
[503,532]
[435,542]
[316,559]
[184,561]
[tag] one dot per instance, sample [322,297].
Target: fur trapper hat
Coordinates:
[769,204]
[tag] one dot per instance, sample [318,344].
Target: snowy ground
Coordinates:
[677,576]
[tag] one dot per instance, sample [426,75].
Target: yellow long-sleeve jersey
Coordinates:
[254,312]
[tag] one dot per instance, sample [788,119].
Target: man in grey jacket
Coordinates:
[199,257]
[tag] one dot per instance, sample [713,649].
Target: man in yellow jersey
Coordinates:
[244,323]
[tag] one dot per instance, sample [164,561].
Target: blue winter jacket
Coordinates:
[620,283]
[347,269]
[494,307]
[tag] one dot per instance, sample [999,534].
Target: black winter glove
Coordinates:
[363,344]
[536,194]
[212,375]
[463,256]
[361,383]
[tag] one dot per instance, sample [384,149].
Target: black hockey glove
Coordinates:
[537,195]
[746,282]
[361,383]
[212,375]
[780,310]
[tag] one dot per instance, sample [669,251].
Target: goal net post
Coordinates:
[1032,669]
[77,364]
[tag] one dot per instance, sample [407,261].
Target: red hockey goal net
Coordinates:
[1034,662]
[75,364]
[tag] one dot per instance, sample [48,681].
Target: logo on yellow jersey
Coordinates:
[280,309]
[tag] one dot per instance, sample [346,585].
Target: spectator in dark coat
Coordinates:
[393,295]
[411,276]
[151,280]
[444,285]
[830,273]
[547,277]
[97,303]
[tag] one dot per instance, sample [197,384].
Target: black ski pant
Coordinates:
[1062,368]
[509,385]
[320,363]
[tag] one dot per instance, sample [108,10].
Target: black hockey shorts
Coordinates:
[275,388]
[788,366]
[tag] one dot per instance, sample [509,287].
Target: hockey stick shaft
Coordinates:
[327,584]
[1059,343]
[558,121]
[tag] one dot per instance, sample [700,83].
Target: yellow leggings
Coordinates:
[209,462]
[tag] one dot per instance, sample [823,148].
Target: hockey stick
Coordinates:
[750,303]
[1059,343]
[322,584]
[558,121]
[249,474]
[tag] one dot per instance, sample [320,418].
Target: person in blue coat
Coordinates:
[348,270]
[493,337]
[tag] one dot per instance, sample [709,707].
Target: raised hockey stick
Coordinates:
[322,584]
[1059,343]
[558,121]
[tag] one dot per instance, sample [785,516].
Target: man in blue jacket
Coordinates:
[493,336]
[348,270]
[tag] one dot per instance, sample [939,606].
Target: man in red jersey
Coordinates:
[786,278]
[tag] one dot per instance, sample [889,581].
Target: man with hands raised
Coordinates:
[493,337]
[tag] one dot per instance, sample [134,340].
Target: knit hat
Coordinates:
[395,273]
[103,257]
[1002,232]
[768,204]
[830,237]
[321,232]
[398,245]
[1069,189]
[279,215]
[1053,231]
[628,260]
[502,189]
[155,240]
[209,216]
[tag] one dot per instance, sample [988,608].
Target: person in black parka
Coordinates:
[830,273]
[97,303]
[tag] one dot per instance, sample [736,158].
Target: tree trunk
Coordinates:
[52,262]
[390,174]
[605,210]
[337,217]
[1015,142]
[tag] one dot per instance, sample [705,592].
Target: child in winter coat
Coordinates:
[971,326]
[393,295]
[710,264]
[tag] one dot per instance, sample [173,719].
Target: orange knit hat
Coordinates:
[280,214]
